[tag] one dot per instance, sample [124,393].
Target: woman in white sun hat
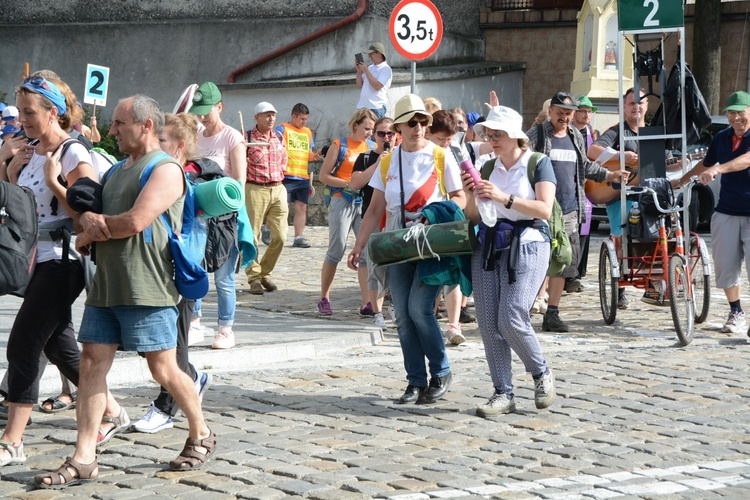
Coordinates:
[411,176]
[511,263]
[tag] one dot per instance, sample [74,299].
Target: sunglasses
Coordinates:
[37,81]
[494,137]
[425,122]
[382,134]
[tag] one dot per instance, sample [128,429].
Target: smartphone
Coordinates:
[386,146]
[20,133]
[360,57]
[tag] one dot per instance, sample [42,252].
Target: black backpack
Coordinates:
[18,236]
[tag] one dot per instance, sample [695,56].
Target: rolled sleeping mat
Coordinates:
[219,196]
[422,242]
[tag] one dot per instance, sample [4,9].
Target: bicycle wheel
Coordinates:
[701,280]
[607,286]
[679,299]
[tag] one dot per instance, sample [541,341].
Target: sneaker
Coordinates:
[324,307]
[454,335]
[573,285]
[197,332]
[391,313]
[553,323]
[203,381]
[622,299]
[269,285]
[224,338]
[256,288]
[265,235]
[153,421]
[498,404]
[540,305]
[379,320]
[300,242]
[470,301]
[366,310]
[735,322]
[544,390]
[466,316]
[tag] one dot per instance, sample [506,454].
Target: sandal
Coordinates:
[191,458]
[16,453]
[56,404]
[83,474]
[121,422]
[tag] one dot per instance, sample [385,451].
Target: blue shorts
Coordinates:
[135,328]
[297,190]
[615,217]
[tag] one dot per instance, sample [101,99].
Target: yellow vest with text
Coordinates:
[298,143]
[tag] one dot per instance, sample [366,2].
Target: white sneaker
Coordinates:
[153,421]
[544,390]
[540,305]
[498,404]
[198,332]
[454,335]
[470,301]
[379,320]
[224,338]
[202,383]
[735,322]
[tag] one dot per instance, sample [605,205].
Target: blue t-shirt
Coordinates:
[564,160]
[735,186]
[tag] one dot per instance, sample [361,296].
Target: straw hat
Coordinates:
[406,108]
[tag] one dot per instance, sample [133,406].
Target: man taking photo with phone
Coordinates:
[374,80]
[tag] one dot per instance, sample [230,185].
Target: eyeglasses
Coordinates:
[382,134]
[37,81]
[494,137]
[736,114]
[425,122]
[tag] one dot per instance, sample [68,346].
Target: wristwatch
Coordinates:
[511,199]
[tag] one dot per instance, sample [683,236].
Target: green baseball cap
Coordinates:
[584,102]
[738,101]
[206,97]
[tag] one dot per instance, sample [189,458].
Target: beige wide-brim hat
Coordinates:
[505,119]
[406,108]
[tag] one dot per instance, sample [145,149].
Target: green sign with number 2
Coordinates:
[650,14]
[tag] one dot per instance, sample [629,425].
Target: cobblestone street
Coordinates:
[637,416]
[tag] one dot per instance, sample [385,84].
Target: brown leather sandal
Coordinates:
[192,459]
[83,474]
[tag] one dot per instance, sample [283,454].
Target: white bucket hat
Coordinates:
[502,118]
[406,108]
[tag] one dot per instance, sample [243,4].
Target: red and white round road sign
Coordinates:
[416,29]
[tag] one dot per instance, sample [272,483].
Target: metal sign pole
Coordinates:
[414,77]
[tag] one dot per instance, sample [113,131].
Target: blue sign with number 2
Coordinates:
[97,82]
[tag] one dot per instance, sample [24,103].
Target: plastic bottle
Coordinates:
[635,214]
[487,210]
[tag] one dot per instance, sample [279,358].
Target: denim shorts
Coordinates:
[135,328]
[297,190]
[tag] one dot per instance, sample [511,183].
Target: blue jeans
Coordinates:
[379,112]
[225,291]
[419,332]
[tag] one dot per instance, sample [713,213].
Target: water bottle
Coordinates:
[486,206]
[635,214]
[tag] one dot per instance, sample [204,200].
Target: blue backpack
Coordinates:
[189,246]
[349,194]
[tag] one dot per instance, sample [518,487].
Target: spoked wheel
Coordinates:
[701,278]
[680,301]
[607,286]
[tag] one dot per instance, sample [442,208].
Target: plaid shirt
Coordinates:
[266,163]
[586,169]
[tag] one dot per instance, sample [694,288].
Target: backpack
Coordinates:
[18,236]
[561,252]
[191,278]
[221,231]
[329,191]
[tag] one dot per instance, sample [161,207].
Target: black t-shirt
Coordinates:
[359,166]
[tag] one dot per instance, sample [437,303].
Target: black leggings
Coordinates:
[43,324]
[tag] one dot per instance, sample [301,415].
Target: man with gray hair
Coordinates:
[132,302]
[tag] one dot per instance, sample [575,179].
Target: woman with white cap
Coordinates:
[507,275]
[412,181]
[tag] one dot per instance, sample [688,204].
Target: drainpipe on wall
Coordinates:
[359,12]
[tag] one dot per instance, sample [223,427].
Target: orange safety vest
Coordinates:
[298,143]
